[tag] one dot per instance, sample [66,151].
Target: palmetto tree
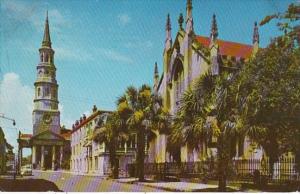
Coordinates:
[143,113]
[209,109]
[133,107]
[111,133]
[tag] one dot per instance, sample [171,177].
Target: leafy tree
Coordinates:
[269,90]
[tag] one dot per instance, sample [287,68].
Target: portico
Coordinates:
[47,150]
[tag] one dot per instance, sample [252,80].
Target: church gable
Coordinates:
[48,135]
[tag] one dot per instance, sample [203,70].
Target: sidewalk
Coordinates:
[180,186]
[70,172]
[171,186]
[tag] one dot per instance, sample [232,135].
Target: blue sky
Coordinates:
[102,46]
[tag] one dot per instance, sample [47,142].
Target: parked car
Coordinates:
[26,170]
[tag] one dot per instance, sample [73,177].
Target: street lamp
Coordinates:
[14,123]
[7,118]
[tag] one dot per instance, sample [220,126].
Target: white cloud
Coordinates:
[124,19]
[22,11]
[114,55]
[16,101]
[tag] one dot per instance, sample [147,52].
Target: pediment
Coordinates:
[48,135]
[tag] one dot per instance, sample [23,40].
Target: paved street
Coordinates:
[61,181]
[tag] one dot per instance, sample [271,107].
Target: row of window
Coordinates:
[80,164]
[45,73]
[131,143]
[45,92]
[46,57]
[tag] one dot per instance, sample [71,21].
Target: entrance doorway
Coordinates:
[48,157]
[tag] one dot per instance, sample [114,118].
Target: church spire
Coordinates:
[189,8]
[46,40]
[255,34]
[168,24]
[168,42]
[189,18]
[214,29]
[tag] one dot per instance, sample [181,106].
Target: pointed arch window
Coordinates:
[179,83]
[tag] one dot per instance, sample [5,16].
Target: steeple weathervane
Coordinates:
[46,40]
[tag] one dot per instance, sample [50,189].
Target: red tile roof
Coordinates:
[91,117]
[66,136]
[228,48]
[25,136]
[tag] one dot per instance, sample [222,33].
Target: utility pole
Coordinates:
[14,123]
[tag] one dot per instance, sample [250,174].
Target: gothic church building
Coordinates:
[186,58]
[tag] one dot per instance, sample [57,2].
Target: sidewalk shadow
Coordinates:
[27,185]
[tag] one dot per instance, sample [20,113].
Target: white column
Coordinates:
[33,152]
[53,157]
[125,147]
[61,153]
[42,157]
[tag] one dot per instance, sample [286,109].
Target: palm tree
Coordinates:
[208,110]
[144,114]
[133,107]
[111,133]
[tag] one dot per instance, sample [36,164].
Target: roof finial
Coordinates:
[156,77]
[189,8]
[155,70]
[168,24]
[46,40]
[180,20]
[189,18]
[255,34]
[214,29]
[168,42]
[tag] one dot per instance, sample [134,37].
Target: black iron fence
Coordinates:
[285,169]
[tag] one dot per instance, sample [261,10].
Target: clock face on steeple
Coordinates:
[47,118]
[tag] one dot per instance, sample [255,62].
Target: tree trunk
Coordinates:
[141,153]
[222,164]
[113,160]
[222,183]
